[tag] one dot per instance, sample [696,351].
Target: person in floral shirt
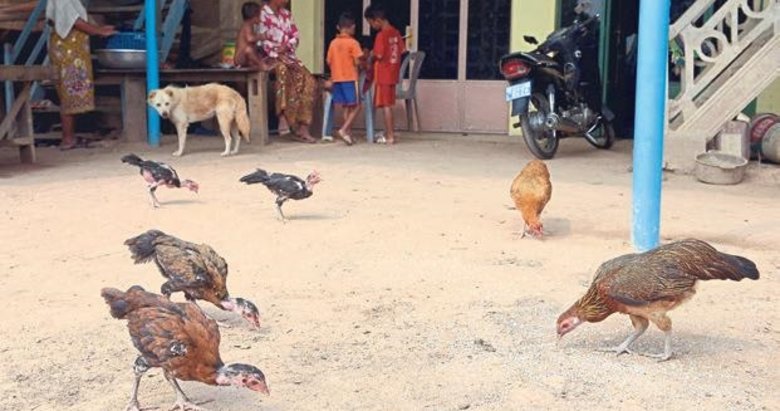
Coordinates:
[70,56]
[295,85]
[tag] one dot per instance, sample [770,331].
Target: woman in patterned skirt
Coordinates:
[70,56]
[295,85]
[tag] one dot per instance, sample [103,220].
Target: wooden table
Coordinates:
[133,94]
[16,128]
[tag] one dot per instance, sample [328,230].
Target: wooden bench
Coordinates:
[133,94]
[16,128]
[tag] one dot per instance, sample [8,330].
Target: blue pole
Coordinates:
[152,71]
[650,121]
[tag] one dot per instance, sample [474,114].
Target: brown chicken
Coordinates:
[645,286]
[181,340]
[194,269]
[531,190]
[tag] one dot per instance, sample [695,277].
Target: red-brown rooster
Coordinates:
[194,269]
[181,340]
[645,286]
[158,174]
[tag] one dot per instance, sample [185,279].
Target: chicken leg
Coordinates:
[182,402]
[152,189]
[279,202]
[640,326]
[664,323]
[139,368]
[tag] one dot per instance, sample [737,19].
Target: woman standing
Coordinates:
[69,54]
[295,85]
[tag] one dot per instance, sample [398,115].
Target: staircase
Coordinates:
[730,54]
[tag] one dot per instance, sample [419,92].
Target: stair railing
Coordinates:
[711,39]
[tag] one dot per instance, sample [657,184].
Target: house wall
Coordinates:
[310,18]
[533,18]
[529,17]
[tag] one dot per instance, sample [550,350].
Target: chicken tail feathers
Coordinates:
[142,247]
[703,262]
[117,301]
[259,176]
[132,159]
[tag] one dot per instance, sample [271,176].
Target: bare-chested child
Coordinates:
[247,51]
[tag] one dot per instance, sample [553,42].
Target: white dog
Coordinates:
[192,104]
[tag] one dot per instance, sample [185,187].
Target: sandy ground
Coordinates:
[400,285]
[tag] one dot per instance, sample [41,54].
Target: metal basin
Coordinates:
[122,59]
[719,168]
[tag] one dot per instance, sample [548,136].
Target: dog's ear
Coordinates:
[169,92]
[152,94]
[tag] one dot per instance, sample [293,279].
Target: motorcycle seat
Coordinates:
[541,59]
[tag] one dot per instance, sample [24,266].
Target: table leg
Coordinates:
[257,102]
[133,91]
[24,124]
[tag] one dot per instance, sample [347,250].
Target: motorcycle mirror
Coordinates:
[530,40]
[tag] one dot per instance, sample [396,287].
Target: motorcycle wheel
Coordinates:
[603,136]
[542,144]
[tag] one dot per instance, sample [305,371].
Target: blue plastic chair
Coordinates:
[367,99]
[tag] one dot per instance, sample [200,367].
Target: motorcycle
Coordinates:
[556,90]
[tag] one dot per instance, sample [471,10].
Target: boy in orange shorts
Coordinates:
[344,54]
[388,48]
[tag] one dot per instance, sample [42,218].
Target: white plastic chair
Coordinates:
[407,87]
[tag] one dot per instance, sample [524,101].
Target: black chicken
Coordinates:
[158,174]
[285,186]
[194,269]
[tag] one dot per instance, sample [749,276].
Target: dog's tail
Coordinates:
[242,120]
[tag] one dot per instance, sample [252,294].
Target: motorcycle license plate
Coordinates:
[518,90]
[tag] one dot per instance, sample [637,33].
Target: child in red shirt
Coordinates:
[388,48]
[344,53]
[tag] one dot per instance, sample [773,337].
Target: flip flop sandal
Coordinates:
[80,143]
[346,137]
[309,140]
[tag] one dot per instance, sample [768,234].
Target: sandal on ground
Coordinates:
[346,137]
[303,139]
[380,139]
[79,143]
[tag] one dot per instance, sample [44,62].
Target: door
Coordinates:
[460,88]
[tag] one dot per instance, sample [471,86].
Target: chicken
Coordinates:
[285,186]
[645,286]
[181,340]
[158,174]
[531,191]
[194,269]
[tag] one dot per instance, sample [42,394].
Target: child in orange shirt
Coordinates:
[388,48]
[344,54]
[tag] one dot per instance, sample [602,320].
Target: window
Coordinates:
[439,29]
[488,38]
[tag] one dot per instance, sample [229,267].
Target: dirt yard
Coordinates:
[400,285]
